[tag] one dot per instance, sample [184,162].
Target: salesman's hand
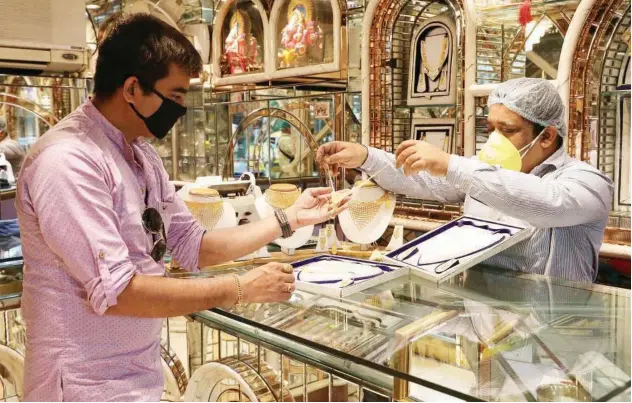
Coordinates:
[273,282]
[416,156]
[313,207]
[340,154]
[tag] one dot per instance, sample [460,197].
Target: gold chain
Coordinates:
[362,213]
[433,71]
[281,200]
[207,214]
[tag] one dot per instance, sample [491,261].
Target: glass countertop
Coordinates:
[489,334]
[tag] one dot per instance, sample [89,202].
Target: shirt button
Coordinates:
[101,255]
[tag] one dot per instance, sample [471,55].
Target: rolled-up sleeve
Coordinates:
[185,233]
[72,200]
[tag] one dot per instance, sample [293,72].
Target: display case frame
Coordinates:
[532,318]
[310,70]
[244,78]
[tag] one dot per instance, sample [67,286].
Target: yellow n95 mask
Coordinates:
[498,150]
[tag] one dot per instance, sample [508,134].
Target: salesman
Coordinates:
[522,176]
[97,211]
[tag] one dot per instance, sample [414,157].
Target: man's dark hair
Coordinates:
[142,46]
[106,26]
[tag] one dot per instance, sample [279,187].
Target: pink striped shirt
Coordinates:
[80,200]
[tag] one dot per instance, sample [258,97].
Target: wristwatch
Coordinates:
[283,223]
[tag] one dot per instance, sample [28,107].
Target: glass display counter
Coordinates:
[12,327]
[487,335]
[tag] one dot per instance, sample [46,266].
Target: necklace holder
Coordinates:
[455,247]
[208,207]
[283,195]
[397,240]
[368,215]
[340,276]
[433,63]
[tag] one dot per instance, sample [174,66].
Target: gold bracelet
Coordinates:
[240,291]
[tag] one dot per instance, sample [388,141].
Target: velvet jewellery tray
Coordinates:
[340,276]
[437,256]
[455,247]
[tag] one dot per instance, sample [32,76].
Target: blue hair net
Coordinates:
[535,99]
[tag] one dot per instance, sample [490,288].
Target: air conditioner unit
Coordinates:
[43,36]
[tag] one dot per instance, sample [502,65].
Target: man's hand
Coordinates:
[416,156]
[273,282]
[339,154]
[313,207]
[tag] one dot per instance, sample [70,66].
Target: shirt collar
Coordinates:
[556,160]
[110,131]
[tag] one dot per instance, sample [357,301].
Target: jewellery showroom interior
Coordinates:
[494,316]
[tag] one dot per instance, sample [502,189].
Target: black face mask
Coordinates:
[160,122]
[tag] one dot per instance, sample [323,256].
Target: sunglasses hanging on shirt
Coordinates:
[153,224]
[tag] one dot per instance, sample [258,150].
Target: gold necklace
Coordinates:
[433,71]
[362,213]
[207,213]
[282,195]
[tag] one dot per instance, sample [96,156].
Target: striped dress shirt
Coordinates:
[563,202]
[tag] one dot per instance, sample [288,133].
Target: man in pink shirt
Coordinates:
[97,213]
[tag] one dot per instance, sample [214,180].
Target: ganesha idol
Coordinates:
[302,37]
[240,47]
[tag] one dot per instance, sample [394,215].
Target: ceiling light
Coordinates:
[93,6]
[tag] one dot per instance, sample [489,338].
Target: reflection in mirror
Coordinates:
[542,49]
[30,106]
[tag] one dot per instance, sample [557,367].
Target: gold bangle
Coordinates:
[240,291]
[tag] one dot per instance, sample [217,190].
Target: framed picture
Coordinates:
[432,72]
[438,132]
[321,110]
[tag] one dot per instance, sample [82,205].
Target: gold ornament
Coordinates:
[207,213]
[282,195]
[433,71]
[366,184]
[362,213]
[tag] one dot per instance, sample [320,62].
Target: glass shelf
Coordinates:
[425,106]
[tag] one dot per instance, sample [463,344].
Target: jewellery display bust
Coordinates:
[208,208]
[282,196]
[369,213]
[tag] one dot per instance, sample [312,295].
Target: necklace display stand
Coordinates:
[321,245]
[369,214]
[397,240]
[208,208]
[282,196]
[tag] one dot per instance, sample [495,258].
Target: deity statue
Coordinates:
[302,37]
[240,47]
